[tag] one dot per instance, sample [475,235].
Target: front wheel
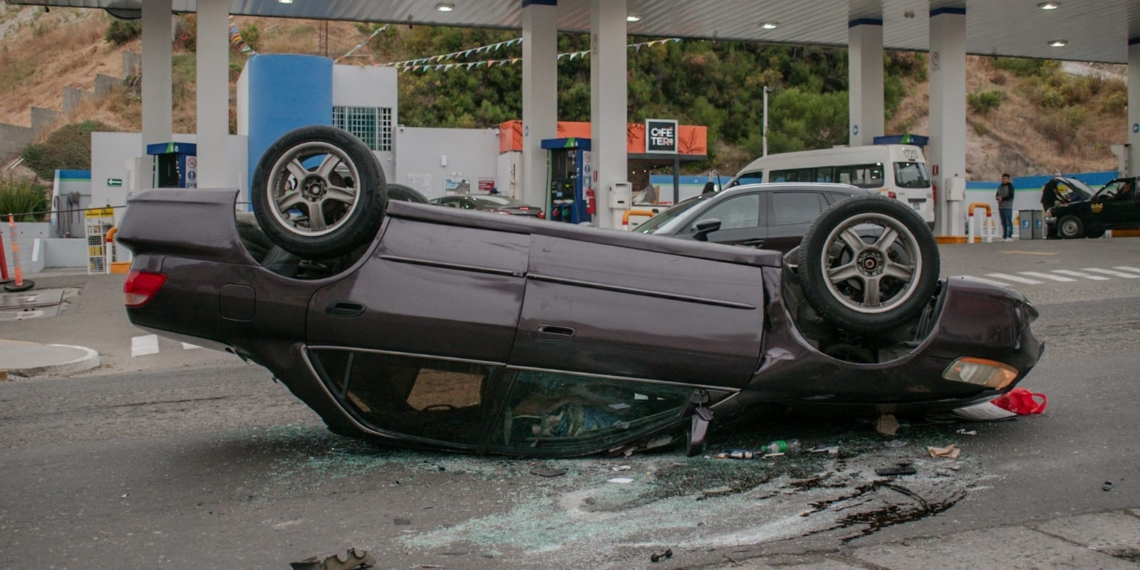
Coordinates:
[869,264]
[1070,227]
[318,192]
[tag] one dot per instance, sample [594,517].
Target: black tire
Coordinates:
[866,288]
[1070,227]
[325,208]
[401,193]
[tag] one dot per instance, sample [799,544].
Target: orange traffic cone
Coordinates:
[19,284]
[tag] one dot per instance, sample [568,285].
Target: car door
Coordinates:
[790,215]
[410,343]
[741,221]
[596,308]
[1120,211]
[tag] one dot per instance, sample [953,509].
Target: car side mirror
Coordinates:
[703,228]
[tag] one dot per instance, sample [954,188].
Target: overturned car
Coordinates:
[441,328]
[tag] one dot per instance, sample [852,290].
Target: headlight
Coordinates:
[981,372]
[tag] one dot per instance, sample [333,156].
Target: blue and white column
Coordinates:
[608,101]
[540,94]
[948,115]
[865,80]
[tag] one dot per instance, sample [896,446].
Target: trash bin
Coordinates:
[1025,224]
[1038,224]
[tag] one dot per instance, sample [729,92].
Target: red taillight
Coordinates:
[541,215]
[892,196]
[524,208]
[141,287]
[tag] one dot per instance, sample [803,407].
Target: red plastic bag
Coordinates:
[1022,402]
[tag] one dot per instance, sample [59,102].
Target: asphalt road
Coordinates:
[218,467]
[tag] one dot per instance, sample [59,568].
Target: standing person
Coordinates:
[1005,207]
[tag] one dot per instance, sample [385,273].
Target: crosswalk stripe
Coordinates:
[144,345]
[189,346]
[1126,268]
[1113,273]
[984,280]
[1014,278]
[1079,274]
[1048,276]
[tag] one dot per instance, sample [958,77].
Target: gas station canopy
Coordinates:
[1090,30]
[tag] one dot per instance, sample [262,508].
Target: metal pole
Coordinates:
[765,120]
[676,178]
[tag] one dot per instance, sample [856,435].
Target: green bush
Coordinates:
[27,200]
[984,102]
[252,36]
[67,148]
[1026,67]
[120,32]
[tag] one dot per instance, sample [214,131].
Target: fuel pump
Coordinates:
[175,165]
[570,195]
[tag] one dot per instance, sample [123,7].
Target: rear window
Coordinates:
[911,175]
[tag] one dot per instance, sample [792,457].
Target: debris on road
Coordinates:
[896,470]
[950,452]
[547,471]
[400,521]
[620,480]
[1022,402]
[655,557]
[353,560]
[984,412]
[965,431]
[1108,485]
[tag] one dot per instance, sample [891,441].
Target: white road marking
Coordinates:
[143,345]
[1113,273]
[189,346]
[1048,276]
[1125,268]
[983,280]
[1014,278]
[1079,274]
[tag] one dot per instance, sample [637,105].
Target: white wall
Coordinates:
[110,153]
[470,154]
[355,86]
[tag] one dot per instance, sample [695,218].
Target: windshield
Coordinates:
[911,175]
[1117,188]
[657,222]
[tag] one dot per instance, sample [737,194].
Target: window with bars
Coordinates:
[373,125]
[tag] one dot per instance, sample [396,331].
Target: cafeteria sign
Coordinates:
[660,136]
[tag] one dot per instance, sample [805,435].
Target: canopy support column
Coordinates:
[540,95]
[865,81]
[213,93]
[608,102]
[1133,106]
[948,117]
[157,89]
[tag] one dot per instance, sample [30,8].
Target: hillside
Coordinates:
[1025,117]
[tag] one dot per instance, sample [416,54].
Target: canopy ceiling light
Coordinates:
[444,7]
[632,18]
[1059,43]
[769,25]
[1049,5]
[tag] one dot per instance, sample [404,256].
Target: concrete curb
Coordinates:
[88,360]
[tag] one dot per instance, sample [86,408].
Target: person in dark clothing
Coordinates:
[1005,207]
[1049,195]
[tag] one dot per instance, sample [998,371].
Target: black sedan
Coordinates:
[467,331]
[1113,207]
[771,216]
[489,203]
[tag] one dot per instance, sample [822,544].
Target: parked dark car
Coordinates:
[771,216]
[484,333]
[1113,207]
[490,203]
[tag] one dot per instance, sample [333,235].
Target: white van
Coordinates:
[895,170]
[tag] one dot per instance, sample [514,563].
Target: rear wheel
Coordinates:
[868,264]
[318,192]
[1070,227]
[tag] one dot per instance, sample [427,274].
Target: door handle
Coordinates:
[549,333]
[342,309]
[753,242]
